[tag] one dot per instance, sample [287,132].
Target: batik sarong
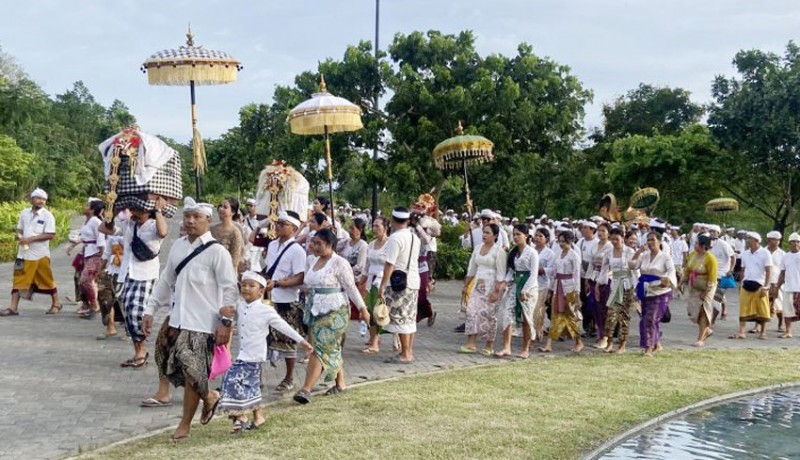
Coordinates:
[326,332]
[189,358]
[241,388]
[481,313]
[402,310]
[88,279]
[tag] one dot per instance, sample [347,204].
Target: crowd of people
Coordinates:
[543,280]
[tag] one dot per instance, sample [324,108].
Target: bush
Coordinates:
[9,216]
[451,261]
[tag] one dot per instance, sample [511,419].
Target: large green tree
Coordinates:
[756,118]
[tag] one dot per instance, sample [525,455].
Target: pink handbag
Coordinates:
[221,361]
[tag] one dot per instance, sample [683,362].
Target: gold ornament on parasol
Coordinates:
[460,151]
[192,65]
[642,204]
[324,114]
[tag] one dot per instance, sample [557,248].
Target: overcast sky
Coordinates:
[611,45]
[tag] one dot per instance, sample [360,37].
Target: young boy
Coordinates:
[241,392]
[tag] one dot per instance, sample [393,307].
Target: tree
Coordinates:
[756,119]
[15,169]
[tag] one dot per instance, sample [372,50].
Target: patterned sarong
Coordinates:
[402,310]
[88,279]
[189,359]
[134,297]
[241,388]
[327,331]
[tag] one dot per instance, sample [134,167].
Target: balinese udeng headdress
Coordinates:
[425,203]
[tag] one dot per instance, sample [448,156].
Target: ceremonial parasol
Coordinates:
[460,151]
[324,114]
[192,65]
[722,206]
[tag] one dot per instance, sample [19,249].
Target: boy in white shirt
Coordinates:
[241,390]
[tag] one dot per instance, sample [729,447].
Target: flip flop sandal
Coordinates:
[238,426]
[153,402]
[139,362]
[127,363]
[432,320]
[302,397]
[542,350]
[181,438]
[370,351]
[502,356]
[285,385]
[9,312]
[335,390]
[487,352]
[54,310]
[737,337]
[90,315]
[467,351]
[206,416]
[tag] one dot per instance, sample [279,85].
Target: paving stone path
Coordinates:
[62,391]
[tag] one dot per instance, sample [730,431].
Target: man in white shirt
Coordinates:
[284,269]
[205,296]
[753,296]
[587,246]
[789,281]
[402,252]
[251,224]
[139,271]
[32,273]
[726,259]
[680,250]
[775,293]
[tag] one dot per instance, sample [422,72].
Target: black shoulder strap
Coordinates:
[194,254]
[268,274]
[410,251]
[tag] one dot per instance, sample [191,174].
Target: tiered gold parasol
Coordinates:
[192,65]
[460,151]
[325,114]
[722,206]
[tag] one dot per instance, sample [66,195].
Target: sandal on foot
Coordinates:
[302,397]
[208,414]
[487,352]
[139,362]
[432,320]
[238,426]
[54,309]
[251,426]
[9,312]
[335,390]
[370,351]
[543,350]
[502,355]
[181,438]
[737,337]
[467,351]
[153,402]
[285,385]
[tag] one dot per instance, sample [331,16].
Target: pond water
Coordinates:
[765,426]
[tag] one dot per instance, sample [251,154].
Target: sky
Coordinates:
[610,45]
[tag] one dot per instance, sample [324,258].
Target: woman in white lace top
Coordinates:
[329,281]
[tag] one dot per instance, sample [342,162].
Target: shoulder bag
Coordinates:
[268,274]
[194,254]
[140,249]
[399,279]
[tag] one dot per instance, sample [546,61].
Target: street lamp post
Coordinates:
[375,150]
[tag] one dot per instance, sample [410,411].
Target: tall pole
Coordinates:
[375,106]
[194,147]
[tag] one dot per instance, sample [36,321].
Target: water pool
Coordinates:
[765,426]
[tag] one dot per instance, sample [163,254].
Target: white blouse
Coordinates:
[337,274]
[569,264]
[355,254]
[490,267]
[93,241]
[612,264]
[546,257]
[528,261]
[376,259]
[596,264]
[661,266]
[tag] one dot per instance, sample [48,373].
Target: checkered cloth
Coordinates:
[135,294]
[167,182]
[190,52]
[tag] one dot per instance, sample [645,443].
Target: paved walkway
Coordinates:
[62,391]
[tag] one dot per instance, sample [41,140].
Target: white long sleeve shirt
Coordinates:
[253,321]
[206,284]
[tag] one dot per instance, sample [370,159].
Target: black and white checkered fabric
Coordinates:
[134,298]
[190,52]
[167,182]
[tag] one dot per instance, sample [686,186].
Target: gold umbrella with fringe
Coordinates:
[463,150]
[325,114]
[192,65]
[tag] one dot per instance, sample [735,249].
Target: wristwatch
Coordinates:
[227,322]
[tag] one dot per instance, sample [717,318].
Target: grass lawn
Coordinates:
[541,408]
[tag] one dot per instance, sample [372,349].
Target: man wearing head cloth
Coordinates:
[726,260]
[32,272]
[198,284]
[402,250]
[789,282]
[754,293]
[284,270]
[775,294]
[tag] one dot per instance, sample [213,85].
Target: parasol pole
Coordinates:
[469,207]
[330,173]
[194,147]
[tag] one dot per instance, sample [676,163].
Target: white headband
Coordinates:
[401,214]
[253,276]
[774,235]
[189,205]
[754,236]
[794,237]
[39,193]
[251,201]
[287,218]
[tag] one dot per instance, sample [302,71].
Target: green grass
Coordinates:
[542,408]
